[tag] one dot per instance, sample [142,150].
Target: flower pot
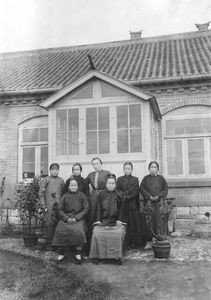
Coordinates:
[161,250]
[30,241]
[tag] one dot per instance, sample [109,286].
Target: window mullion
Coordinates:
[97,130]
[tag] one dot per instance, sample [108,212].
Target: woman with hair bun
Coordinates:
[153,188]
[109,231]
[97,182]
[82,183]
[129,185]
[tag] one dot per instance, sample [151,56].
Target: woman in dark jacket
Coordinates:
[82,183]
[153,188]
[70,230]
[109,231]
[129,185]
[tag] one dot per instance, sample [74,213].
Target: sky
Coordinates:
[34,24]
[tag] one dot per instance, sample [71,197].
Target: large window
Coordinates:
[67,132]
[188,146]
[34,150]
[97,130]
[129,137]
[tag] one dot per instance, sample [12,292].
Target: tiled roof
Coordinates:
[148,59]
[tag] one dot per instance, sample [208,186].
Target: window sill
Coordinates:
[190,182]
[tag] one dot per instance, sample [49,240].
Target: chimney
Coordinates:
[135,35]
[204,26]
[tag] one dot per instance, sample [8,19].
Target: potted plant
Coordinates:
[161,241]
[30,211]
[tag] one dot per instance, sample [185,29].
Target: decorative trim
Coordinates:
[31,115]
[184,102]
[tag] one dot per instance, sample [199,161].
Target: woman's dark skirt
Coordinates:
[69,234]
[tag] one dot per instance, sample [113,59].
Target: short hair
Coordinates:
[128,163]
[77,164]
[111,176]
[154,162]
[54,165]
[97,158]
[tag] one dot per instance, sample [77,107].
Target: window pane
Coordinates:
[122,117]
[61,143]
[195,126]
[61,120]
[73,116]
[44,161]
[91,118]
[91,142]
[103,117]
[29,161]
[175,127]
[122,141]
[188,126]
[135,140]
[196,156]
[73,145]
[104,142]
[174,157]
[135,116]
[43,134]
[30,135]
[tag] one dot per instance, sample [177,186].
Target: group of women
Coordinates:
[105,219]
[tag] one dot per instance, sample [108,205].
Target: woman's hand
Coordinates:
[118,223]
[71,220]
[97,223]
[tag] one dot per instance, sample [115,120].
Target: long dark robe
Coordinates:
[154,185]
[129,185]
[50,193]
[72,205]
[108,239]
[82,185]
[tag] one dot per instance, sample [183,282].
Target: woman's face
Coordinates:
[73,186]
[127,170]
[111,184]
[76,171]
[153,169]
[97,165]
[54,171]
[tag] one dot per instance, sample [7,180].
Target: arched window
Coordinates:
[33,150]
[187,136]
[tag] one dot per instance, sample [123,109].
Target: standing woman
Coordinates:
[109,231]
[129,185]
[70,230]
[97,181]
[153,188]
[82,183]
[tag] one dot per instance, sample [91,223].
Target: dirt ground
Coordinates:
[157,280]
[186,275]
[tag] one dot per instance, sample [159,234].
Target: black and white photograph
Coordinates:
[105,149]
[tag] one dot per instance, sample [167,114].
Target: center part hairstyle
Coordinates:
[128,163]
[111,176]
[97,158]
[77,164]
[54,165]
[153,162]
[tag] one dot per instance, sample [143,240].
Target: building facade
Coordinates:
[143,99]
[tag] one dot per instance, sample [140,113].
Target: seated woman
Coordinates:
[70,230]
[108,237]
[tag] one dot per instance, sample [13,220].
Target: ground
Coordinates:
[185,275]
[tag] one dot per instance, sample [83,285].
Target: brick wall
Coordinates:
[10,116]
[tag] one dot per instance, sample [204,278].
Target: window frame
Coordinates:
[36,145]
[206,137]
